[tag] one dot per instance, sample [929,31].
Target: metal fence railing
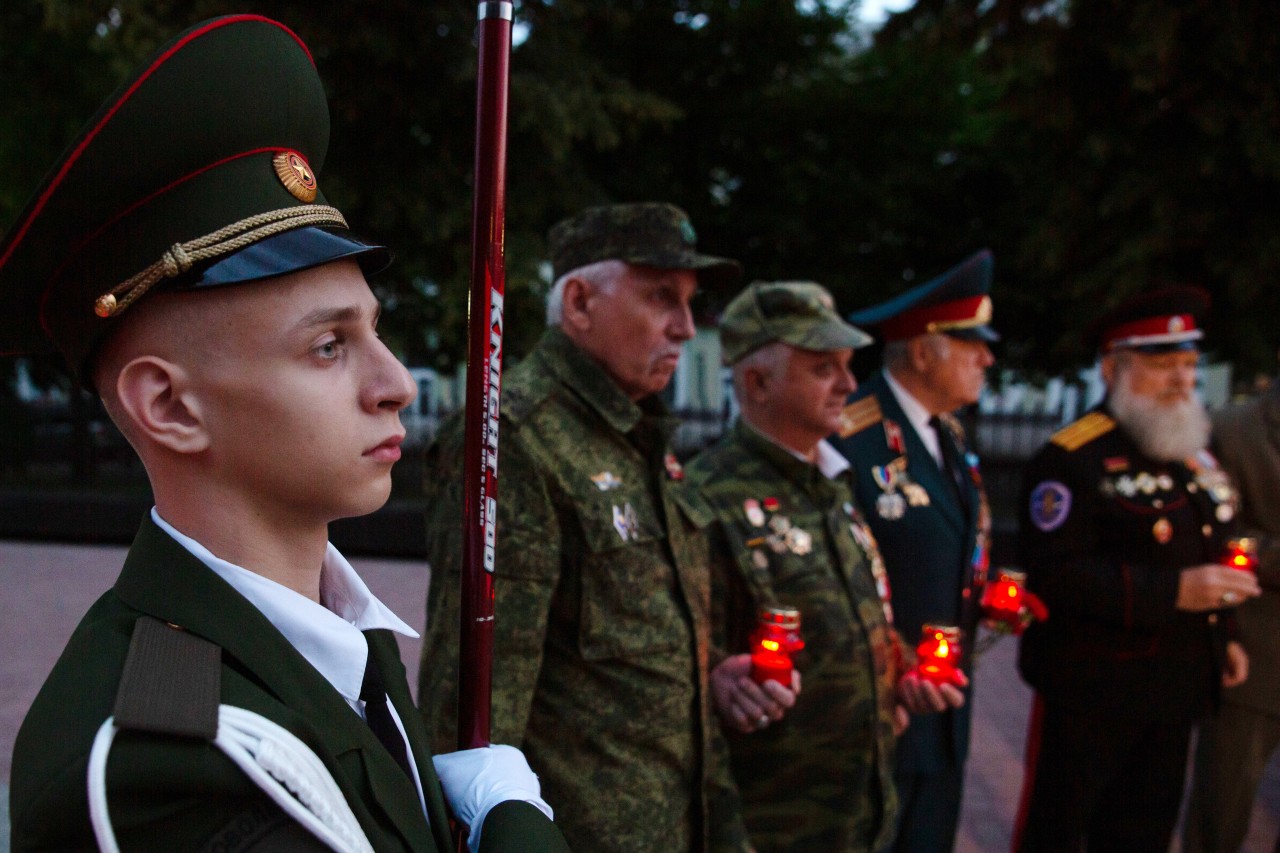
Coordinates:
[74,449]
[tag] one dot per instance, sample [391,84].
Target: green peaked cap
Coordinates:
[214,146]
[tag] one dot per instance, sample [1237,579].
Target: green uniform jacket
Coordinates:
[822,778]
[602,598]
[171,793]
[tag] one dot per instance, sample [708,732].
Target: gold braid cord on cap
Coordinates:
[182,256]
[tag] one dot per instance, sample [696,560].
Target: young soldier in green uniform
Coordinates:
[602,591]
[1123,524]
[814,771]
[239,687]
[919,485]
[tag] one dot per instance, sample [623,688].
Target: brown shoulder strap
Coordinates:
[171,682]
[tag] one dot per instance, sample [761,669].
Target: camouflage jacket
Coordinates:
[602,602]
[821,779]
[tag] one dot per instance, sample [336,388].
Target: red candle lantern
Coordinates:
[1003,599]
[776,639]
[938,655]
[1241,553]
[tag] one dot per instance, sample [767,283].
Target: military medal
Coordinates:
[798,541]
[885,476]
[893,436]
[780,524]
[891,506]
[1115,464]
[755,515]
[605,481]
[1216,482]
[674,470]
[759,559]
[625,521]
[915,493]
[771,505]
[1162,530]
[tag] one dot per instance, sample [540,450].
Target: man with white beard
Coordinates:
[1123,527]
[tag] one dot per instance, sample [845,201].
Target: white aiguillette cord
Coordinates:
[277,762]
[170,685]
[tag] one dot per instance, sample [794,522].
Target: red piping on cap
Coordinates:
[941,317]
[1162,326]
[89,137]
[71,255]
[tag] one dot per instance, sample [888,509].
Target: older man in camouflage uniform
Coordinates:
[602,585]
[820,775]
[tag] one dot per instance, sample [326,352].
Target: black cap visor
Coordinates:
[986,334]
[290,251]
[1158,349]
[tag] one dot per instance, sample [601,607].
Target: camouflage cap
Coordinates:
[799,313]
[653,234]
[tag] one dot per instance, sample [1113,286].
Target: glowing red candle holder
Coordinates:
[1241,553]
[776,639]
[938,655]
[1004,599]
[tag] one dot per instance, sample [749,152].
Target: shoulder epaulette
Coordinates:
[1076,435]
[170,683]
[859,415]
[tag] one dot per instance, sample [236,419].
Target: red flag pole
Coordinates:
[484,372]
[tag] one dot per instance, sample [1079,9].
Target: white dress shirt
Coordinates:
[328,634]
[919,417]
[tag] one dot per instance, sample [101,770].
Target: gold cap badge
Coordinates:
[296,175]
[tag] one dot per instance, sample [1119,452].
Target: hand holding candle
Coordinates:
[1008,605]
[1241,553]
[938,655]
[776,639]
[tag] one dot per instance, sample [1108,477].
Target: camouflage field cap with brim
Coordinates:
[201,170]
[652,234]
[799,313]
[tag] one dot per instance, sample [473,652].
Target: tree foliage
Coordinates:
[1096,145]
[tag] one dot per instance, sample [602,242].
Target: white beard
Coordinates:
[1169,432]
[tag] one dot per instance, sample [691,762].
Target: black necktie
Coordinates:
[378,715]
[950,462]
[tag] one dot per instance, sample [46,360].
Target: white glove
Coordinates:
[476,780]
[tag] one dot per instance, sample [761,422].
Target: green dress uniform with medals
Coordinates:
[1120,674]
[602,588]
[787,534]
[933,528]
[200,171]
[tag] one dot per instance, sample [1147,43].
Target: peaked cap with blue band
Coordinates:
[956,303]
[201,170]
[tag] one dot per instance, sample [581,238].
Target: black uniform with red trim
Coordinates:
[1120,673]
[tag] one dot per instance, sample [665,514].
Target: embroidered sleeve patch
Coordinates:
[1050,505]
